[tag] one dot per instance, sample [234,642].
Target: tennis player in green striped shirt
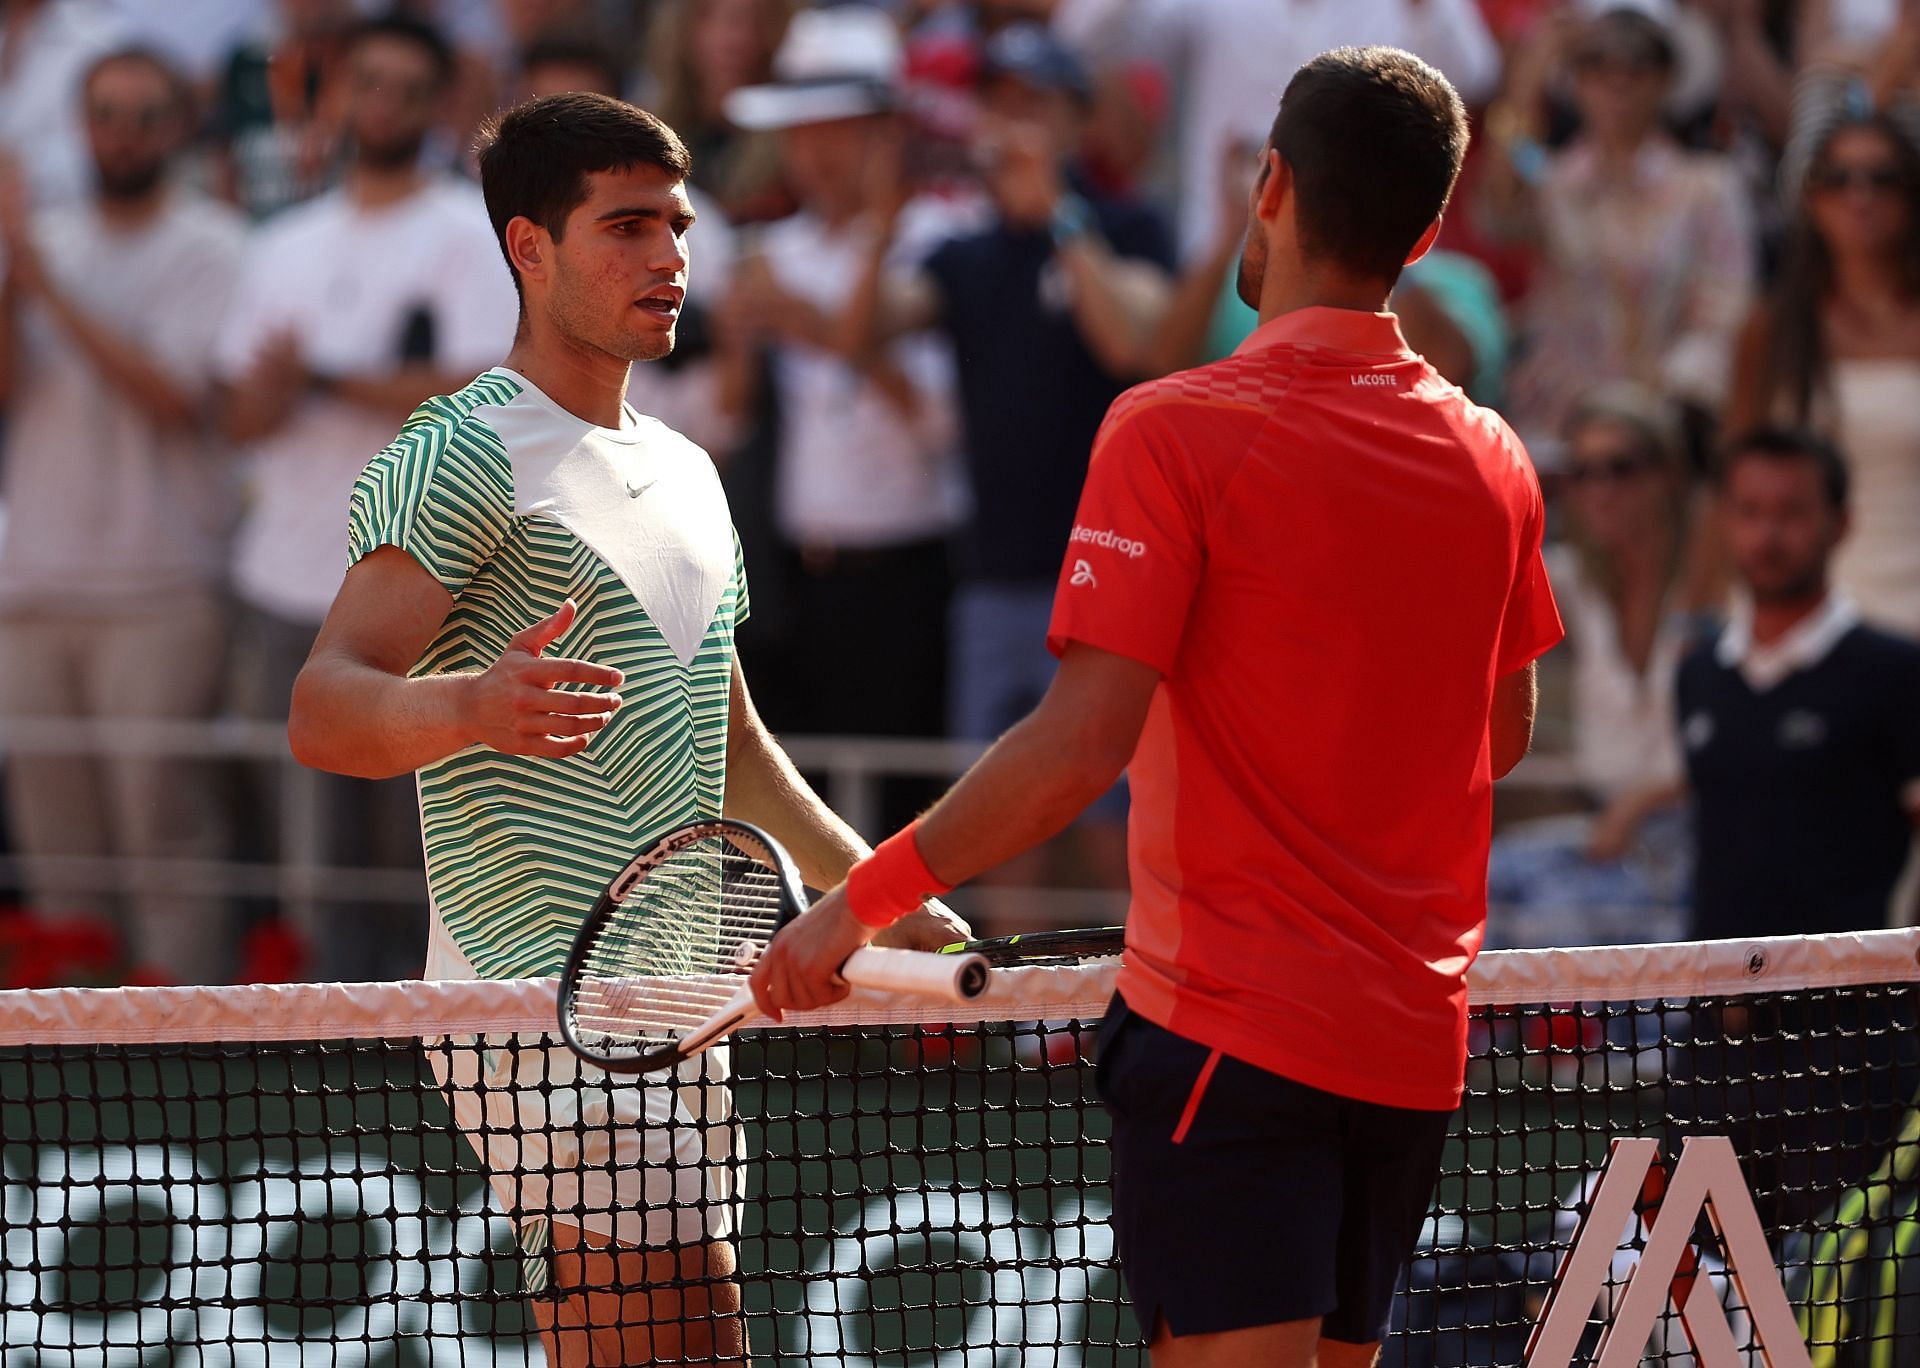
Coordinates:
[539,620]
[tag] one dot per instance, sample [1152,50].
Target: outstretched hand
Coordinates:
[519,706]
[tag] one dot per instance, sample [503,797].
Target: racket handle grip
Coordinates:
[949,978]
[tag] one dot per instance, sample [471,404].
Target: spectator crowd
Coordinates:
[240,241]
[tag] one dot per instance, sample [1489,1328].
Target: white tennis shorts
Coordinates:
[640,1164]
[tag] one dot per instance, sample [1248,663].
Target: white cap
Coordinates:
[834,63]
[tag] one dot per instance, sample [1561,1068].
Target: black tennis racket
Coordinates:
[658,971]
[1044,947]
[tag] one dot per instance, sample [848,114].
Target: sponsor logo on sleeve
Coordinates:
[1083,576]
[1108,539]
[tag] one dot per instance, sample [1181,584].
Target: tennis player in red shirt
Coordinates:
[1301,607]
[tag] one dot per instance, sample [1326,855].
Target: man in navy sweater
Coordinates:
[1801,724]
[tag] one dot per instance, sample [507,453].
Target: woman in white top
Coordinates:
[1837,348]
[1617,871]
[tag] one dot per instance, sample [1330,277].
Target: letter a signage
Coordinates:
[1707,1177]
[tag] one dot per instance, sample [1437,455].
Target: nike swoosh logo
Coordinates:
[635,491]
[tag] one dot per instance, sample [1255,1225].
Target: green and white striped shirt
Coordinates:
[514,504]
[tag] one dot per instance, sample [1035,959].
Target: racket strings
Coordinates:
[690,930]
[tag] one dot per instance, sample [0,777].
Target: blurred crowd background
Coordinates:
[242,240]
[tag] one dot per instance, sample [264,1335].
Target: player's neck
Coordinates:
[1309,287]
[589,384]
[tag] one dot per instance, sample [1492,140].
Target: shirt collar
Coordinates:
[1341,330]
[1803,646]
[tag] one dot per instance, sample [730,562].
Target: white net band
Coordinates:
[380,1011]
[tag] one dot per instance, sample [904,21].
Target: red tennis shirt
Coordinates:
[1330,554]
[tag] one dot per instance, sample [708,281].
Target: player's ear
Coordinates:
[528,247]
[1274,185]
[1425,244]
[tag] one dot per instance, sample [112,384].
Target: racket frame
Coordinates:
[613,899]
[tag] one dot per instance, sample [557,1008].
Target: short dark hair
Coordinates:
[1626,34]
[406,29]
[179,89]
[566,47]
[1374,138]
[1792,444]
[536,157]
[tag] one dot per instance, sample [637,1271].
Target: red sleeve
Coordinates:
[1531,626]
[1137,546]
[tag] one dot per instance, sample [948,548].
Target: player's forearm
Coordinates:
[1029,786]
[764,788]
[349,717]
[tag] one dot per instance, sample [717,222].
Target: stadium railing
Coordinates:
[851,772]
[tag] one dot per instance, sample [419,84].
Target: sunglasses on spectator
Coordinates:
[1883,179]
[143,117]
[1610,470]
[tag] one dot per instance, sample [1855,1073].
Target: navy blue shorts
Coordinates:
[1242,1198]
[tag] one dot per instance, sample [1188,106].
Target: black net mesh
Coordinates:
[892,1194]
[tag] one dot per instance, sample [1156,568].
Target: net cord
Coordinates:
[407,1009]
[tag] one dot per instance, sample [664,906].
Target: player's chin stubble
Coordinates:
[578,321]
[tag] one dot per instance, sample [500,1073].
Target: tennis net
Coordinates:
[274,1174]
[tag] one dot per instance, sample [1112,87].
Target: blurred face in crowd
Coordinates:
[615,279]
[1025,133]
[825,162]
[1859,195]
[563,78]
[316,18]
[732,44]
[1620,80]
[393,100]
[134,123]
[1007,101]
[1620,489]
[1780,527]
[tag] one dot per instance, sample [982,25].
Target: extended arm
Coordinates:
[356,710]
[764,788]
[1030,785]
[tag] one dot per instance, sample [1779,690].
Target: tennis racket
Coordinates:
[1044,947]
[658,971]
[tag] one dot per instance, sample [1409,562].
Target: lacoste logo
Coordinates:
[1380,381]
[1083,576]
[634,491]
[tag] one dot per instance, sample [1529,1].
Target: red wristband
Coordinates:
[892,881]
